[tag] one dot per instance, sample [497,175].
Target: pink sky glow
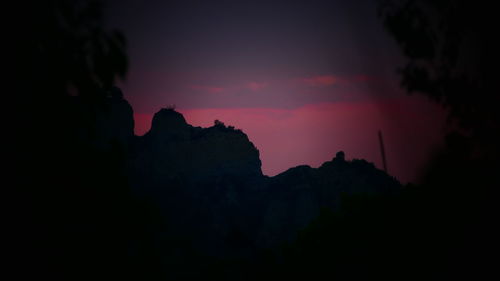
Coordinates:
[312,134]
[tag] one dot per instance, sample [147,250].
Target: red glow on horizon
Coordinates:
[312,134]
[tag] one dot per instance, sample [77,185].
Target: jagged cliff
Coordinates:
[176,151]
[208,182]
[209,187]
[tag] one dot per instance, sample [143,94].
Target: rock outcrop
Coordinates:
[209,184]
[174,152]
[296,196]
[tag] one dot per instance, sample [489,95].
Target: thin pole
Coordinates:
[382,150]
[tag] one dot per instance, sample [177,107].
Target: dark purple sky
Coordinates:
[303,79]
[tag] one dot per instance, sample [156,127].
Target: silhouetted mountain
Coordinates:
[198,195]
[174,150]
[210,189]
[87,199]
[297,195]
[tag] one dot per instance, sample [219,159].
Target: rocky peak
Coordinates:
[168,120]
[339,156]
[178,150]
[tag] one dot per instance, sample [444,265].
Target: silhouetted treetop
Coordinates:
[219,123]
[66,47]
[452,54]
[452,57]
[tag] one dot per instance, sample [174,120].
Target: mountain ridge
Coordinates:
[209,186]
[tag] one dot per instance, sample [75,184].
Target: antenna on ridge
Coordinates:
[382,150]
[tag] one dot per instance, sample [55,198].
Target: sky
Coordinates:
[303,79]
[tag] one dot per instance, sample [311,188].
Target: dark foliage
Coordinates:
[78,215]
[73,214]
[65,47]
[453,58]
